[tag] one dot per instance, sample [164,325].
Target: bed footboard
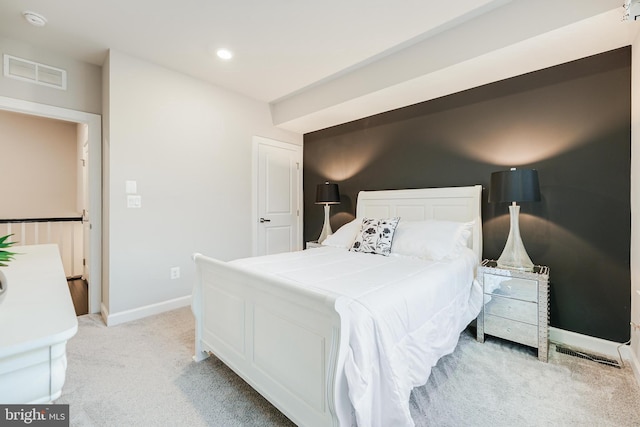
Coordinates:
[287,342]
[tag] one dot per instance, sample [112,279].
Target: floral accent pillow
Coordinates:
[375,236]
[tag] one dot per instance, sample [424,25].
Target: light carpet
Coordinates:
[141,374]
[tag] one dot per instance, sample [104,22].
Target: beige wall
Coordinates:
[39,167]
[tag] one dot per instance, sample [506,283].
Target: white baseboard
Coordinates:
[595,345]
[112,319]
[590,344]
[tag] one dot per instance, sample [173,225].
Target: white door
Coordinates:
[278,194]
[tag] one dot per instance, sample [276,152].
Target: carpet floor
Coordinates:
[141,374]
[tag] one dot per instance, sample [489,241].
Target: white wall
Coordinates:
[106,90]
[635,202]
[187,144]
[39,154]
[83,86]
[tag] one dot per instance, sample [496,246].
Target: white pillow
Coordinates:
[431,239]
[345,235]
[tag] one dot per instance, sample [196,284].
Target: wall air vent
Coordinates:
[34,72]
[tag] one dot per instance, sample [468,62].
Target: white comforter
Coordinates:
[404,314]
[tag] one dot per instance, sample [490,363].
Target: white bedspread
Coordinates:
[404,314]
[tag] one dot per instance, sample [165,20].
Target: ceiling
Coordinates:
[323,63]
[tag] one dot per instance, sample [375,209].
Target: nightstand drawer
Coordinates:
[511,330]
[522,311]
[512,287]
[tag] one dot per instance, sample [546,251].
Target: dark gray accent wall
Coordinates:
[572,122]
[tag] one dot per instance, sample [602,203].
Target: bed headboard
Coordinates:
[446,203]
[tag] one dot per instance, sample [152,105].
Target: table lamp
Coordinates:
[515,185]
[327,194]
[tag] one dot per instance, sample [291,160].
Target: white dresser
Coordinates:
[37,319]
[516,306]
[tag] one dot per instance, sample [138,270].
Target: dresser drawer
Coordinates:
[511,330]
[522,311]
[512,287]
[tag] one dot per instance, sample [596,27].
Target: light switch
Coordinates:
[134,201]
[132,187]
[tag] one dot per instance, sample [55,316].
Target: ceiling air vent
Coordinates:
[34,72]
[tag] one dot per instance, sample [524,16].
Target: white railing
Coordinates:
[65,232]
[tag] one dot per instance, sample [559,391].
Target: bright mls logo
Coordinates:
[34,415]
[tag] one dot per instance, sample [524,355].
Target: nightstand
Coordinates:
[313,244]
[516,305]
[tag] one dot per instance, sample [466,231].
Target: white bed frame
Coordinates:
[290,343]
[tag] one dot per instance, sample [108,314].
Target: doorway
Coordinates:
[93,249]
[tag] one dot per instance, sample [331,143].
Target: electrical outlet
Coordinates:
[175,272]
[134,201]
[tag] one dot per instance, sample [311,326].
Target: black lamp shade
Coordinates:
[516,185]
[327,194]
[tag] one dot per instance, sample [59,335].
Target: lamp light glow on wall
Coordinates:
[515,185]
[327,194]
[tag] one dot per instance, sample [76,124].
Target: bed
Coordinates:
[333,337]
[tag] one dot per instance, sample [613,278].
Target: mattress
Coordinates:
[404,314]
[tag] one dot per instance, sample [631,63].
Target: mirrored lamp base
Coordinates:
[326,229]
[514,256]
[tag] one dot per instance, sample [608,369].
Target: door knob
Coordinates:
[264,220]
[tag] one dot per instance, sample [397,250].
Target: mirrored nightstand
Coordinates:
[516,305]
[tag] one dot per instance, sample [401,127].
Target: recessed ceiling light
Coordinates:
[225,54]
[34,18]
